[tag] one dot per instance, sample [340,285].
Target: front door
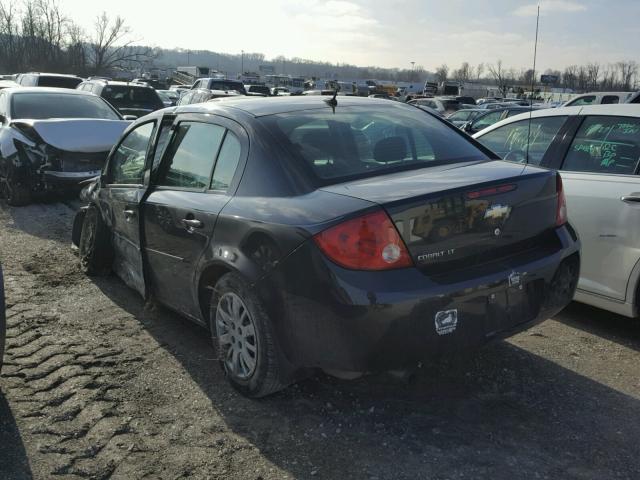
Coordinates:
[181,211]
[602,186]
[122,191]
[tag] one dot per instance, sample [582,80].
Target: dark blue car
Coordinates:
[347,234]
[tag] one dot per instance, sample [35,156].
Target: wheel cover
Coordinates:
[236,333]
[87,240]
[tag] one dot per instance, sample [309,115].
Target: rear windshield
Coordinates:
[60,82]
[259,89]
[358,142]
[41,106]
[125,96]
[222,85]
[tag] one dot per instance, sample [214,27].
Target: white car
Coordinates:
[599,98]
[597,150]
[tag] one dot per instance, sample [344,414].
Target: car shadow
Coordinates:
[14,463]
[616,328]
[47,218]
[500,413]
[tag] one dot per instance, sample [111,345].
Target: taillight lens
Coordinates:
[369,242]
[561,211]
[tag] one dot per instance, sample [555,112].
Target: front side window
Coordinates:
[589,100]
[128,161]
[192,155]
[510,141]
[357,142]
[60,105]
[605,145]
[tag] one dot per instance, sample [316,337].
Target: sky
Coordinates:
[386,33]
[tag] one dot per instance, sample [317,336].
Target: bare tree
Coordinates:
[593,73]
[442,73]
[110,46]
[499,75]
[628,70]
[479,71]
[464,73]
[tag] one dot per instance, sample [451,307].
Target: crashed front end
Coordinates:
[49,169]
[59,155]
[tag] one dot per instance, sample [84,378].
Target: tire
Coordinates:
[254,374]
[17,195]
[3,319]
[95,250]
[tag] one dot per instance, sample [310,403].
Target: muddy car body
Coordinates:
[51,139]
[309,252]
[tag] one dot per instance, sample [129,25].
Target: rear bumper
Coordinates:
[329,317]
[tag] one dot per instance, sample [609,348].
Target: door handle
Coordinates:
[632,198]
[191,223]
[129,214]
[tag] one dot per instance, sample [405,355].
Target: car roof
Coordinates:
[111,83]
[45,74]
[60,91]
[261,106]
[615,109]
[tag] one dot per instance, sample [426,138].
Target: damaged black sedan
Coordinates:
[51,139]
[353,236]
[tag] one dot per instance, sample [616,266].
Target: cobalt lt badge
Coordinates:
[446,321]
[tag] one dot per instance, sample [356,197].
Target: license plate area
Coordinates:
[512,305]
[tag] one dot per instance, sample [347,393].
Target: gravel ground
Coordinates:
[95,385]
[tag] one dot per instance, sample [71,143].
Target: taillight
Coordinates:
[561,210]
[369,242]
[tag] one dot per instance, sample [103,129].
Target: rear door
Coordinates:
[194,183]
[602,186]
[123,189]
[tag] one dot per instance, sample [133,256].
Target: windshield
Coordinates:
[357,142]
[59,105]
[125,96]
[225,85]
[60,82]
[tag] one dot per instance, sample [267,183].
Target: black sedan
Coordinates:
[346,234]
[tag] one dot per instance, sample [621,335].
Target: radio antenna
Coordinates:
[533,83]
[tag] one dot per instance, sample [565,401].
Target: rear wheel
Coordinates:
[95,250]
[243,337]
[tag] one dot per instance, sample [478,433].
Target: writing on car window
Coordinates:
[605,145]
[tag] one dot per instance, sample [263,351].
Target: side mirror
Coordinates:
[468,127]
[3,119]
[130,118]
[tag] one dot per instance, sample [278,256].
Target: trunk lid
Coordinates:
[455,216]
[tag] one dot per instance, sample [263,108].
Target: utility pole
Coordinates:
[411,74]
[242,62]
[188,58]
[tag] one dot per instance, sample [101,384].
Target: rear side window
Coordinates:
[128,161]
[605,145]
[510,141]
[487,120]
[227,162]
[193,152]
[357,142]
[610,99]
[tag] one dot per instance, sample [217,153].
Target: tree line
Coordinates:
[618,76]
